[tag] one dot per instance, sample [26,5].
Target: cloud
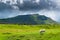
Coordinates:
[36,5]
[30,5]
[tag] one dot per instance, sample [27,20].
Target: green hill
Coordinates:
[28,19]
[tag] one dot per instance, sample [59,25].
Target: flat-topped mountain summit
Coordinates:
[28,19]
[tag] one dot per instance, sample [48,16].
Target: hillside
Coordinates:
[28,19]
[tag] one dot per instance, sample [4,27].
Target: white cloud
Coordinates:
[21,1]
[56,1]
[37,1]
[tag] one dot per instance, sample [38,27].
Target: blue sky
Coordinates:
[49,8]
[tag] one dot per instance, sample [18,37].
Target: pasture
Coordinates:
[29,32]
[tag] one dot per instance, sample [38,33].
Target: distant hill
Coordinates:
[28,19]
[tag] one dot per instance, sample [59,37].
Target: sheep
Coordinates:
[42,31]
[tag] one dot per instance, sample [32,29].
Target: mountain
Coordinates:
[28,19]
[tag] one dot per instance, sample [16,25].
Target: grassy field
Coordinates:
[29,32]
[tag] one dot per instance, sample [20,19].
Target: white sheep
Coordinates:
[42,31]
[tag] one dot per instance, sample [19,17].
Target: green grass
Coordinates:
[29,32]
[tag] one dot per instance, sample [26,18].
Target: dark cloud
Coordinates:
[29,5]
[4,6]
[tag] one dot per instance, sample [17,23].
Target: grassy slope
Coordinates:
[29,32]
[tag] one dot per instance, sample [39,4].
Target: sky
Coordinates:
[49,8]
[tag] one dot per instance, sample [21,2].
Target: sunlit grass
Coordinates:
[29,32]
